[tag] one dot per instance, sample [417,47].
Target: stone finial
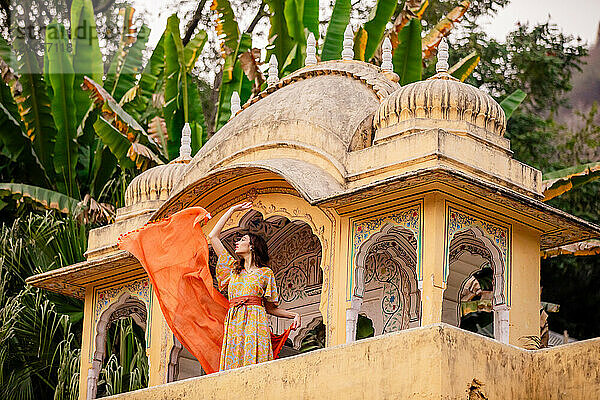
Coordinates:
[235,104]
[273,72]
[185,151]
[442,57]
[348,51]
[386,56]
[311,50]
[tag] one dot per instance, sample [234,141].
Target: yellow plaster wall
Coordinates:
[342,279]
[85,362]
[434,362]
[433,258]
[161,343]
[524,314]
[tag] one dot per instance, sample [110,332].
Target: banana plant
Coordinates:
[233,44]
[182,100]
[49,119]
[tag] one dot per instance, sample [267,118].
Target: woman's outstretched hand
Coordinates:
[296,322]
[242,206]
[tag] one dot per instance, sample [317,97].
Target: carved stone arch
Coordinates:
[127,305]
[182,364]
[397,245]
[475,242]
[295,253]
[304,331]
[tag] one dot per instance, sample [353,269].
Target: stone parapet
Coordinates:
[434,362]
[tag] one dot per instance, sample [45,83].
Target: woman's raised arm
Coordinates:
[213,236]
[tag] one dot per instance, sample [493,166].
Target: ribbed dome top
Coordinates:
[442,99]
[155,183]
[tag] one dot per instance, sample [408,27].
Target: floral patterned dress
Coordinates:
[247,336]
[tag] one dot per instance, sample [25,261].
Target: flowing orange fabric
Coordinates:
[174,253]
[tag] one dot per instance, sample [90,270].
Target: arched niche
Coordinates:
[182,364]
[469,251]
[295,257]
[127,305]
[386,287]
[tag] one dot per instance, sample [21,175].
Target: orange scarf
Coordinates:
[174,253]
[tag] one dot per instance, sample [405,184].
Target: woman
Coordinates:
[252,294]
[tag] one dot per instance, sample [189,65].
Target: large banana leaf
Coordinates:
[116,116]
[280,42]
[16,145]
[238,83]
[104,165]
[60,73]
[227,27]
[360,44]
[176,86]
[512,101]
[125,76]
[334,39]
[561,181]
[192,50]
[294,14]
[47,198]
[411,9]
[311,17]
[196,116]
[87,58]
[34,109]
[407,57]
[375,27]
[465,67]
[117,143]
[149,85]
[124,41]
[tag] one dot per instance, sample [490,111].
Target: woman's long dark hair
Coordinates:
[259,250]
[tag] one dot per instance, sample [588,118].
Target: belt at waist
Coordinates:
[245,300]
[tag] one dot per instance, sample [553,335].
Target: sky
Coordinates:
[574,17]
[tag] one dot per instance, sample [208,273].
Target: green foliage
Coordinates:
[35,112]
[340,18]
[280,41]
[512,101]
[314,339]
[463,68]
[126,365]
[47,198]
[61,76]
[38,330]
[182,102]
[364,328]
[375,27]
[87,58]
[237,82]
[311,16]
[407,57]
[126,76]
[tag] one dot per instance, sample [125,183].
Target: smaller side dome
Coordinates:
[157,183]
[441,101]
[154,184]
